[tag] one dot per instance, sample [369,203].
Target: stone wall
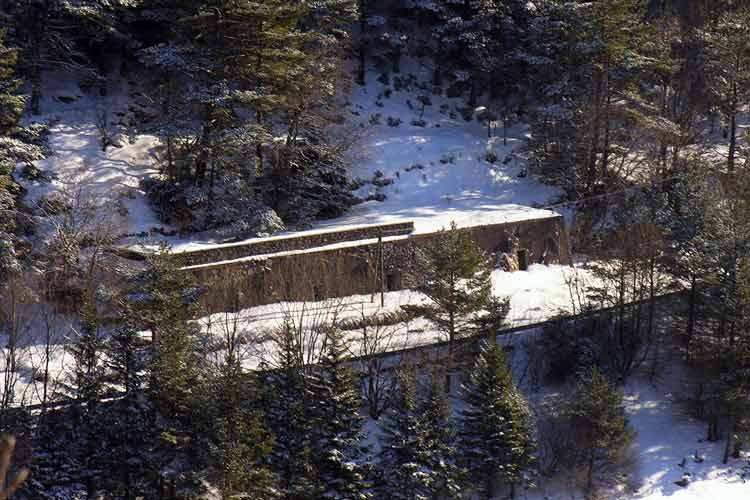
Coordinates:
[351,270]
[276,244]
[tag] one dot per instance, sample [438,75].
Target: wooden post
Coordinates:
[523,259]
[381,260]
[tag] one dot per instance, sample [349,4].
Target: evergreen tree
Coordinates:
[86,387]
[728,69]
[166,304]
[340,456]
[264,78]
[11,102]
[87,378]
[130,436]
[596,52]
[496,430]
[404,466]
[11,106]
[288,409]
[598,415]
[239,442]
[440,439]
[457,282]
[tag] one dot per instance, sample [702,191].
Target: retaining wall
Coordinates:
[352,268]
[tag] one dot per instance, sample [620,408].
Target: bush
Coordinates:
[233,211]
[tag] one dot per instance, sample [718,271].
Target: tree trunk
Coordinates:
[473,91]
[730,438]
[595,132]
[437,75]
[36,93]
[362,52]
[201,163]
[590,478]
[732,142]
[607,105]
[691,317]
[451,339]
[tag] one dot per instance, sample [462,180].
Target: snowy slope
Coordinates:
[535,295]
[455,182]
[435,174]
[79,167]
[666,436]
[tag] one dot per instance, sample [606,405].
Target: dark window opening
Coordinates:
[393,281]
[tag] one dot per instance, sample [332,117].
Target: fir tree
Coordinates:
[440,438]
[496,429]
[166,304]
[340,456]
[130,436]
[11,106]
[728,69]
[11,102]
[87,380]
[597,413]
[457,282]
[404,468]
[288,409]
[86,388]
[239,442]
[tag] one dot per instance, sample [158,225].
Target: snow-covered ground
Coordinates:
[79,167]
[439,171]
[666,435]
[535,295]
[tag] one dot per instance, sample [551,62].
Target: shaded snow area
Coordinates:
[78,168]
[666,436]
[669,442]
[42,348]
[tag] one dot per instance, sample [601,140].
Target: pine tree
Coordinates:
[11,102]
[457,282]
[440,438]
[87,378]
[728,69]
[496,429]
[11,106]
[240,443]
[596,52]
[288,408]
[86,387]
[130,436]
[404,468]
[233,433]
[340,457]
[166,304]
[597,413]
